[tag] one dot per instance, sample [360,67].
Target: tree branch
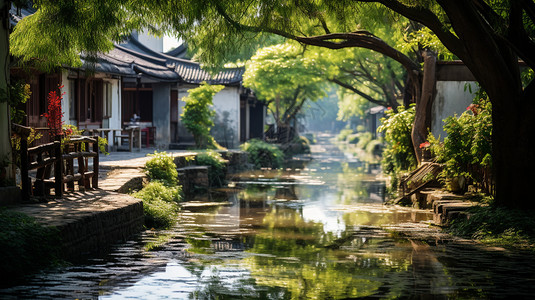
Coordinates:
[360,39]
[430,20]
[358,92]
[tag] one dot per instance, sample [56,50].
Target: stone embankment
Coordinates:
[90,221]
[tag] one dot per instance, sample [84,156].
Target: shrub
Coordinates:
[398,154]
[198,117]
[299,145]
[160,204]
[353,138]
[25,245]
[217,166]
[262,154]
[466,150]
[364,139]
[375,147]
[162,167]
[344,133]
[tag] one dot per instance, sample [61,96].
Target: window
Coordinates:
[107,100]
[73,94]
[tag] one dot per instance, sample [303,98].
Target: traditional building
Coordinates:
[136,80]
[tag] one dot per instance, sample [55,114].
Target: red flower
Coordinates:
[389,108]
[54,114]
[425,145]
[474,108]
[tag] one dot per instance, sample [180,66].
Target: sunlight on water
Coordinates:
[309,232]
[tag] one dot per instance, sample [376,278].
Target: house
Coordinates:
[136,79]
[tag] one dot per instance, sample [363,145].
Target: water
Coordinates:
[310,233]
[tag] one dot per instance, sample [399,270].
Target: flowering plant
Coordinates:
[425,145]
[54,115]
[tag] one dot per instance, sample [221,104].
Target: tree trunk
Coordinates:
[422,118]
[513,153]
[5,126]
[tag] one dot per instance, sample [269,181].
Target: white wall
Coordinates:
[228,100]
[113,122]
[452,97]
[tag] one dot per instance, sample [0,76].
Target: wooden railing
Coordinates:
[62,159]
[80,149]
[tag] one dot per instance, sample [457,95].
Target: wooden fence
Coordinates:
[57,165]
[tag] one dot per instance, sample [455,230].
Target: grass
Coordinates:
[498,226]
[25,245]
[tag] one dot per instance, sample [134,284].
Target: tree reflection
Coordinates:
[299,256]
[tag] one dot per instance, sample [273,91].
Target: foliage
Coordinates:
[344,134]
[162,167]
[497,226]
[285,79]
[198,117]
[160,204]
[18,93]
[72,130]
[25,245]
[375,147]
[54,115]
[466,150]
[217,166]
[299,145]
[364,139]
[398,154]
[262,154]
[59,31]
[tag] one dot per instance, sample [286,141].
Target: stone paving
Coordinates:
[95,218]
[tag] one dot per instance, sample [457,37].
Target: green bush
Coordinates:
[364,139]
[398,153]
[198,117]
[353,138]
[466,151]
[344,133]
[162,167]
[262,154]
[217,166]
[299,145]
[25,245]
[160,204]
[375,147]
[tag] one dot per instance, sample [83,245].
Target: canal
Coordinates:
[312,231]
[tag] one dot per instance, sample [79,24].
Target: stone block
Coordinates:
[193,177]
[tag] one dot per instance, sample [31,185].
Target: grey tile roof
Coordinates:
[133,59]
[161,66]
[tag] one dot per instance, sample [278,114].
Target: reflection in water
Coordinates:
[299,234]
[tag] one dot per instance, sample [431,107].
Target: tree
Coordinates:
[286,79]
[198,117]
[488,36]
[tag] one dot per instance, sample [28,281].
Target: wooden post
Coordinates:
[58,170]
[25,180]
[95,163]
[81,166]
[130,139]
